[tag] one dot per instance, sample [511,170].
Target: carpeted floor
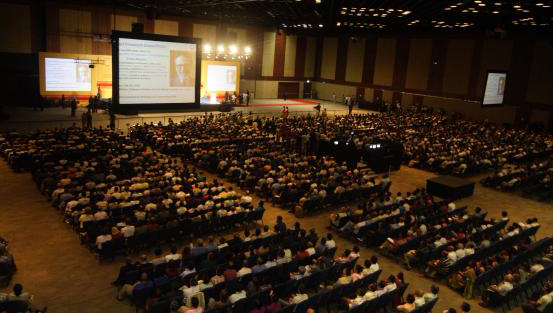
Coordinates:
[67,277]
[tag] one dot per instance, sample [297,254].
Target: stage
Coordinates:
[25,118]
[449,187]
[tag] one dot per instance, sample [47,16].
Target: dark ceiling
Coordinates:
[331,16]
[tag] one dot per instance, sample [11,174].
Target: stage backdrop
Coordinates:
[219,77]
[69,74]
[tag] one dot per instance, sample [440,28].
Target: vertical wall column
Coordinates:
[400,64]
[475,68]
[319,57]
[341,58]
[280,48]
[52,28]
[369,60]
[301,46]
[437,65]
[517,80]
[101,24]
[186,29]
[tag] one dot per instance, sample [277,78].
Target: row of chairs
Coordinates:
[416,242]
[282,288]
[221,257]
[494,275]
[379,238]
[523,291]
[494,248]
[436,252]
[110,249]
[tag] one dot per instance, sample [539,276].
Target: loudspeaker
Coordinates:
[138,28]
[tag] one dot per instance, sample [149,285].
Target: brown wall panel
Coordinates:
[419,63]
[385,59]
[16,30]
[458,67]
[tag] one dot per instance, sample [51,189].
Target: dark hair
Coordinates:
[374,259]
[435,289]
[17,289]
[451,310]
[465,307]
[410,298]
[195,302]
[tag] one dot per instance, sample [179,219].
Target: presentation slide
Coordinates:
[67,74]
[495,88]
[221,78]
[156,71]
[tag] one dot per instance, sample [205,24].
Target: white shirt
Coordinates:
[390,287]
[128,231]
[172,257]
[536,268]
[460,253]
[330,244]
[237,296]
[243,271]
[543,302]
[297,298]
[369,295]
[100,215]
[101,239]
[419,301]
[429,296]
[504,288]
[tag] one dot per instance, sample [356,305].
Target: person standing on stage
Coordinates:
[73,107]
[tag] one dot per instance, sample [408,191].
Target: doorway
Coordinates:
[289,89]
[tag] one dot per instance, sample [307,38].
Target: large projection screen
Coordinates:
[221,77]
[494,90]
[67,74]
[155,72]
